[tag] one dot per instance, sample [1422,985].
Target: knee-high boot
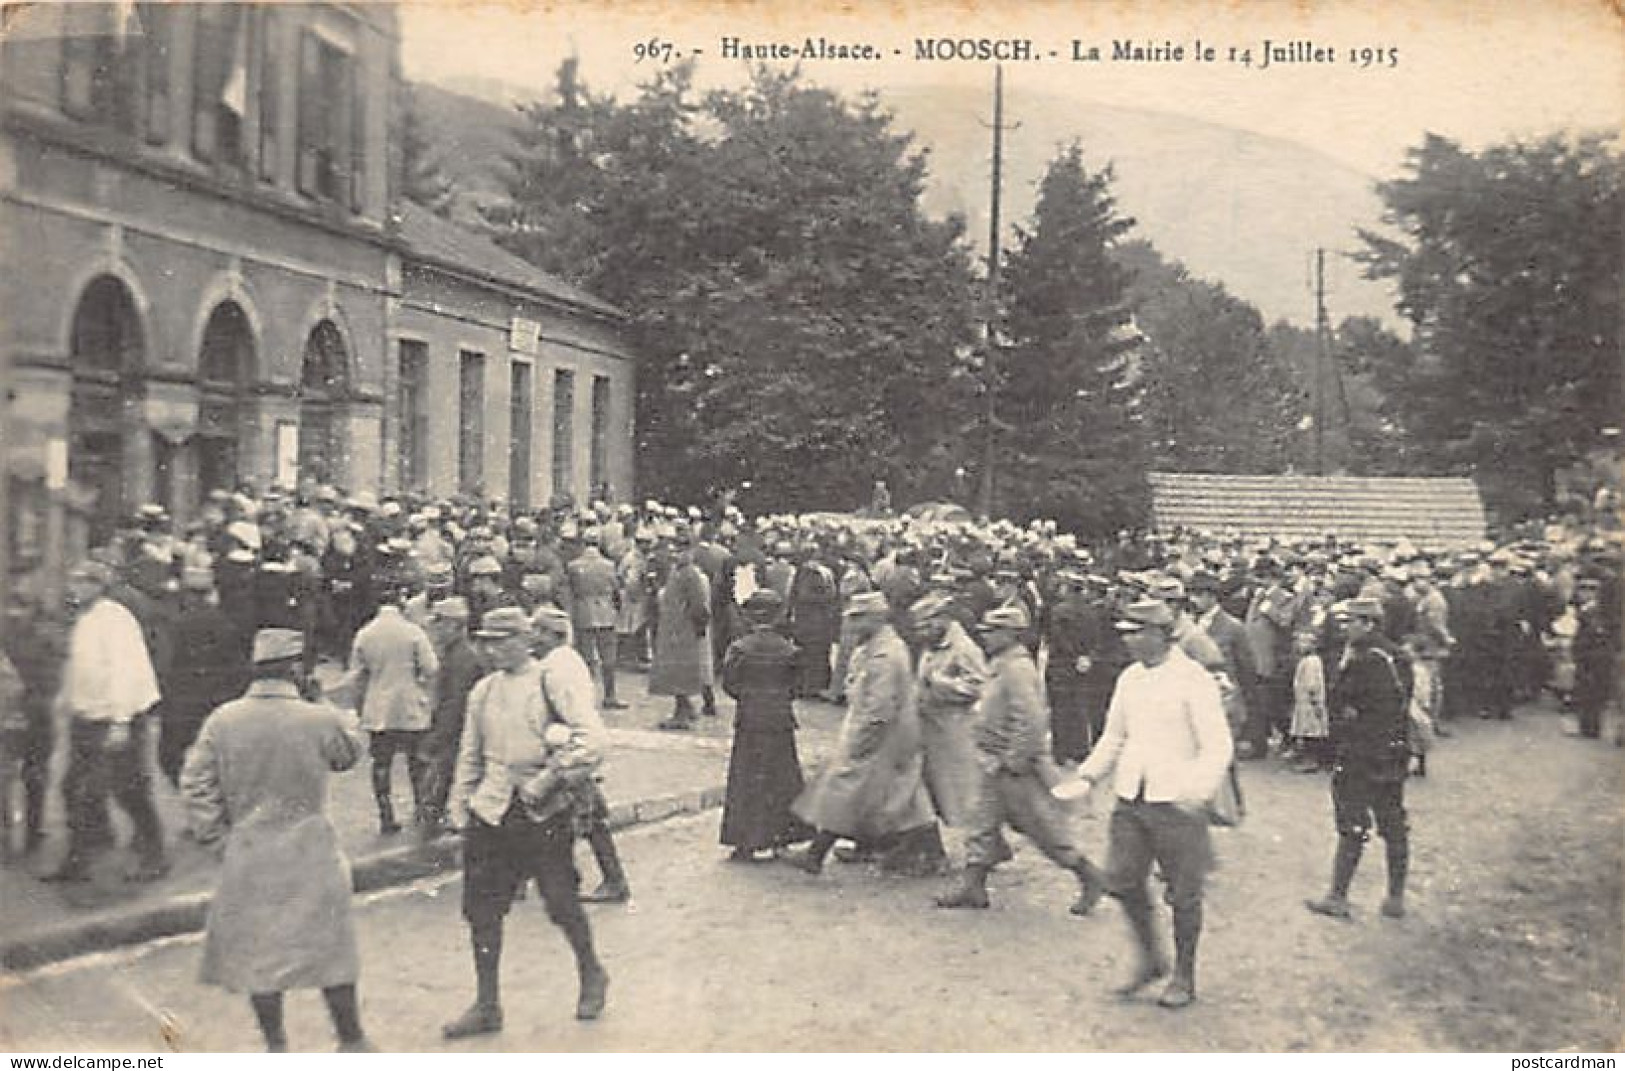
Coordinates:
[1181,989]
[1399,863]
[383,793]
[1153,964]
[590,972]
[1336,902]
[485,1015]
[612,888]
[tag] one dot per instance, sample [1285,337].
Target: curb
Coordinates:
[184,913]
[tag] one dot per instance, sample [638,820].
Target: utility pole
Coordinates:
[990,371]
[1321,360]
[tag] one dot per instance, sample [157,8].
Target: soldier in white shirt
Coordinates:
[1167,740]
[530,743]
[108,686]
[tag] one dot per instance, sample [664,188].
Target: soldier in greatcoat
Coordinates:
[256,782]
[1010,756]
[871,790]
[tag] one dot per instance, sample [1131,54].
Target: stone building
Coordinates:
[207,283]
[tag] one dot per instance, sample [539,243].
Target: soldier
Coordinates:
[531,741]
[595,596]
[1010,750]
[460,670]
[1167,741]
[257,780]
[36,642]
[391,681]
[1367,703]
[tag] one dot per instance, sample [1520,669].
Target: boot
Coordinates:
[682,717]
[1091,887]
[386,816]
[811,859]
[1335,904]
[1153,964]
[478,1019]
[971,891]
[708,702]
[613,889]
[1181,991]
[1399,862]
[594,991]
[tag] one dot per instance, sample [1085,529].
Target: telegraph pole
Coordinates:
[1321,360]
[990,445]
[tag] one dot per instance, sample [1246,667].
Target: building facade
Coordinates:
[207,283]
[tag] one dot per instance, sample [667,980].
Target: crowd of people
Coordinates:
[988,670]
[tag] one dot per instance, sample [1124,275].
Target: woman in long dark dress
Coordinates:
[764,771]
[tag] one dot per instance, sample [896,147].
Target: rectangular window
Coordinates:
[220,82]
[471,435]
[600,437]
[327,110]
[270,89]
[157,27]
[414,415]
[521,398]
[564,404]
[101,64]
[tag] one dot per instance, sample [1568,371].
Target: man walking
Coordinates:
[530,744]
[108,687]
[1367,703]
[460,670]
[1168,742]
[256,779]
[391,681]
[595,596]
[1010,749]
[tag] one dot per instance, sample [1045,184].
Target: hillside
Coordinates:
[1234,206]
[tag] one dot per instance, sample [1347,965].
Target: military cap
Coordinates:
[1142,613]
[764,606]
[1366,609]
[504,622]
[867,604]
[484,565]
[1011,617]
[277,645]
[1166,588]
[551,620]
[451,608]
[930,606]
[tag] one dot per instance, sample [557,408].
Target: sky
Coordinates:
[1478,71]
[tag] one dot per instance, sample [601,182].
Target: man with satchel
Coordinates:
[1167,740]
[530,744]
[1367,703]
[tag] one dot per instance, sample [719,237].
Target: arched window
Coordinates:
[225,367]
[323,388]
[105,357]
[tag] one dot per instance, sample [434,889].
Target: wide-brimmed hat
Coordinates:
[503,623]
[278,645]
[1145,613]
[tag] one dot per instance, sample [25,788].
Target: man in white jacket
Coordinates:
[1168,742]
[108,686]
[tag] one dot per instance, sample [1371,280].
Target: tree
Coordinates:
[1070,444]
[423,180]
[795,313]
[1217,396]
[1508,263]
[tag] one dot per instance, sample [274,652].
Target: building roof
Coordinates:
[428,237]
[1428,511]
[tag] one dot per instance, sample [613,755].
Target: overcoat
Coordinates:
[951,676]
[257,776]
[873,785]
[682,635]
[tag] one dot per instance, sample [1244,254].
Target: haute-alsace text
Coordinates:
[811,48]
